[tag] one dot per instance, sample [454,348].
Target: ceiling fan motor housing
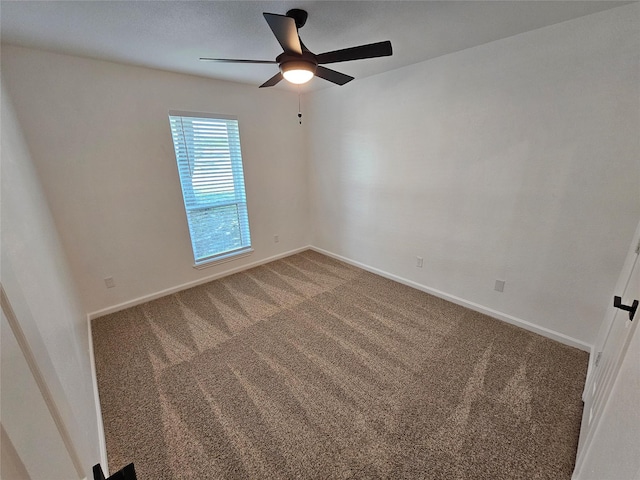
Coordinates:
[306,61]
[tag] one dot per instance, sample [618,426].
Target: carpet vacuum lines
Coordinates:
[310,368]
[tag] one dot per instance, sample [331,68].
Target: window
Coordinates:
[210,167]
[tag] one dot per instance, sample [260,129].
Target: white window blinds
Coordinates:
[210,167]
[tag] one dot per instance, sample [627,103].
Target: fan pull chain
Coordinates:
[299,109]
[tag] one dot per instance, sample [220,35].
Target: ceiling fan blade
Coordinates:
[332,76]
[372,50]
[272,81]
[233,60]
[284,28]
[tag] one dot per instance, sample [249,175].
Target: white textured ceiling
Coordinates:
[172,35]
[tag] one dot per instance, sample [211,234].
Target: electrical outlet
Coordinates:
[276,238]
[499,286]
[419,262]
[108,281]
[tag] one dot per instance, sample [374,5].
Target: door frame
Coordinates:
[586,436]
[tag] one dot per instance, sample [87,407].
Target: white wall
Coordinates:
[44,297]
[99,136]
[516,160]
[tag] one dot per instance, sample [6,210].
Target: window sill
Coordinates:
[223,259]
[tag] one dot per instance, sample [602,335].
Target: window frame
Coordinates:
[238,179]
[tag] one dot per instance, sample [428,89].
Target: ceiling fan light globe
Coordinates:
[297,76]
[298,71]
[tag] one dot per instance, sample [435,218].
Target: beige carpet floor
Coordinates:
[310,368]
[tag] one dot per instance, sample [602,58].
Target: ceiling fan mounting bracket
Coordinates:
[299,15]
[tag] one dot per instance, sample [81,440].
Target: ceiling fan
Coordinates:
[297,63]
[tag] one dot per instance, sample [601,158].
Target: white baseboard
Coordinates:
[545,332]
[94,378]
[195,283]
[590,366]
